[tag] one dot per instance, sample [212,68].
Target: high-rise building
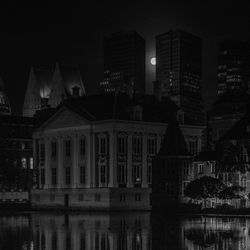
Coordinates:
[124,60]
[179,72]
[233,73]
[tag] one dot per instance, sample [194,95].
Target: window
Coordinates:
[122,145]
[24,162]
[82,175]
[102,145]
[80,197]
[137,197]
[137,173]
[121,174]
[193,146]
[122,197]
[186,169]
[185,183]
[53,176]
[31,163]
[212,164]
[97,197]
[42,176]
[82,242]
[82,147]
[42,152]
[53,149]
[67,176]
[52,197]
[152,146]
[137,145]
[200,168]
[103,174]
[68,148]
[149,173]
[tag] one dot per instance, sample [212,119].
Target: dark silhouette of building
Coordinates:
[233,72]
[179,73]
[4,101]
[169,178]
[124,62]
[48,87]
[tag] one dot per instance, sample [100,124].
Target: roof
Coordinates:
[239,131]
[120,106]
[173,143]
[206,156]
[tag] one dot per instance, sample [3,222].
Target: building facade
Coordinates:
[92,163]
[48,87]
[124,59]
[179,73]
[233,72]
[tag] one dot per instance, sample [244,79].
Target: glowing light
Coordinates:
[153,61]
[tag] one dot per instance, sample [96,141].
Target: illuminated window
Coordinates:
[31,163]
[137,173]
[24,163]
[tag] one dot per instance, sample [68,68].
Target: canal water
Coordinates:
[122,231]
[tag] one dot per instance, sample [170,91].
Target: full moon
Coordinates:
[153,61]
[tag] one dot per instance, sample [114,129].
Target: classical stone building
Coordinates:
[97,151]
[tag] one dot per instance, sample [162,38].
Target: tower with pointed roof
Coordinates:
[48,87]
[4,101]
[171,169]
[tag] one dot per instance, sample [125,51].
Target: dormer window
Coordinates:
[137,113]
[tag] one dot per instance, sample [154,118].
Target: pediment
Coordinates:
[65,118]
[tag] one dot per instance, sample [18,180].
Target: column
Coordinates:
[144,161]
[60,162]
[158,142]
[75,161]
[47,163]
[88,161]
[130,162]
[112,158]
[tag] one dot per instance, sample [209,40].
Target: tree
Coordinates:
[203,188]
[233,192]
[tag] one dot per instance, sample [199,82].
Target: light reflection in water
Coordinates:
[133,231]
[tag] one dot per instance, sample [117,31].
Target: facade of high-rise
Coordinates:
[179,73]
[124,60]
[233,87]
[233,72]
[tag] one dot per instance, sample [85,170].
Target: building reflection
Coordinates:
[133,231]
[99,232]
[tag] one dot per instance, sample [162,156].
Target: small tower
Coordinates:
[168,167]
[4,101]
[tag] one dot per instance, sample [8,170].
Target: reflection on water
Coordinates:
[133,231]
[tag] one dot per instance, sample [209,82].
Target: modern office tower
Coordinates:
[48,87]
[233,73]
[179,72]
[124,62]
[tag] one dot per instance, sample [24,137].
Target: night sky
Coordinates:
[73,35]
